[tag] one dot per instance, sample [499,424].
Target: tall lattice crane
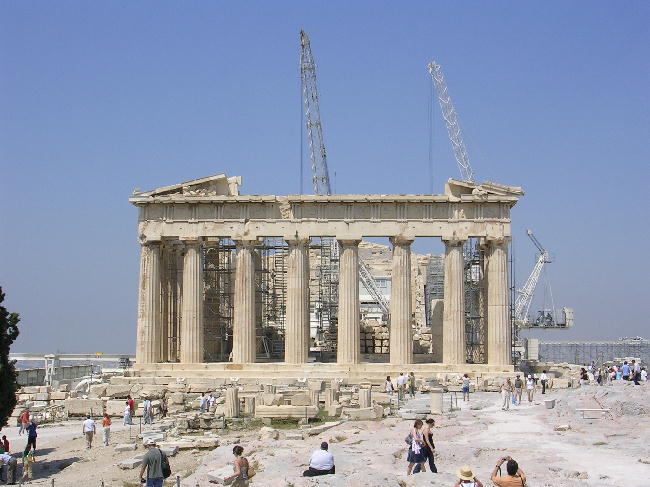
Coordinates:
[318,155]
[451,121]
[525,294]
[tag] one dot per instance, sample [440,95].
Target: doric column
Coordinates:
[192,314]
[348,327]
[149,343]
[243,332]
[401,331]
[453,321]
[296,342]
[498,326]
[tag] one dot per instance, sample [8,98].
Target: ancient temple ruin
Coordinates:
[265,285]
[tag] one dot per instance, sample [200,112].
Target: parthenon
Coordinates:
[179,224]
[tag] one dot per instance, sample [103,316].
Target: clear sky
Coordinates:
[100,98]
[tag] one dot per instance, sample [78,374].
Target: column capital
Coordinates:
[454,240]
[143,240]
[349,242]
[298,241]
[492,240]
[401,240]
[245,243]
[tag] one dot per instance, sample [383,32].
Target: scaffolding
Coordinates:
[327,306]
[575,352]
[271,296]
[434,287]
[474,260]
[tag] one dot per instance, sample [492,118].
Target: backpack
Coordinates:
[409,439]
[164,462]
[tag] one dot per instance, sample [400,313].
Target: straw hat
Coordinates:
[465,473]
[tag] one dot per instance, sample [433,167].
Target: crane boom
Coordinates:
[451,121]
[525,294]
[317,153]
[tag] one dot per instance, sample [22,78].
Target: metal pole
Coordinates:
[178,481]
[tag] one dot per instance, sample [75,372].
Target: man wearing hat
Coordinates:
[466,478]
[321,462]
[152,461]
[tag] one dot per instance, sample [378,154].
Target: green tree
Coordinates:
[8,378]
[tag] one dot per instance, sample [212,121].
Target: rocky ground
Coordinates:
[608,451]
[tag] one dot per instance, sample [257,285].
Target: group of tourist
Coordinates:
[147,410]
[9,463]
[402,383]
[511,392]
[632,371]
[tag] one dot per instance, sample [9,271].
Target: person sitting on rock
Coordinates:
[321,462]
[242,470]
[515,477]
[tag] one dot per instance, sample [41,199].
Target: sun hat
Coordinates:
[465,473]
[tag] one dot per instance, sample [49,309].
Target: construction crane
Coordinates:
[318,155]
[545,318]
[451,121]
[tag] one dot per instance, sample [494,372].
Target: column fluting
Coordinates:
[149,343]
[348,347]
[401,330]
[192,312]
[498,327]
[296,345]
[244,341]
[453,322]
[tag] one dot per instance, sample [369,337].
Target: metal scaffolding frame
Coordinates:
[326,306]
[475,305]
[576,352]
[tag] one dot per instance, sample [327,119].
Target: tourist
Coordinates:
[466,382]
[401,386]
[28,462]
[429,446]
[411,382]
[24,421]
[211,401]
[584,377]
[153,463]
[242,471]
[515,477]
[131,403]
[466,478]
[89,431]
[389,386]
[163,407]
[106,424]
[519,387]
[321,462]
[203,402]
[146,407]
[530,388]
[644,375]
[625,371]
[31,436]
[416,454]
[8,466]
[636,372]
[506,393]
[543,379]
[5,443]
[127,414]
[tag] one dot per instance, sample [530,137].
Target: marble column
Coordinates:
[348,328]
[498,326]
[401,331]
[149,343]
[192,305]
[296,341]
[243,346]
[453,321]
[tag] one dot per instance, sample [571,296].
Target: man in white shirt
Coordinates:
[644,375]
[321,462]
[543,379]
[401,386]
[89,431]
[203,402]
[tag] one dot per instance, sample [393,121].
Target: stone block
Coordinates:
[286,412]
[130,463]
[169,450]
[272,399]
[294,436]
[562,427]
[126,447]
[269,433]
[118,391]
[364,414]
[176,398]
[315,385]
[115,407]
[30,390]
[333,410]
[202,443]
[218,476]
[301,400]
[58,396]
[81,407]
[64,387]
[42,396]
[97,390]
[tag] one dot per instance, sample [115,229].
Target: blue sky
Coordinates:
[97,99]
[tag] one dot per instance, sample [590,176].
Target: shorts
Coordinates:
[157,482]
[465,389]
